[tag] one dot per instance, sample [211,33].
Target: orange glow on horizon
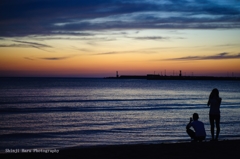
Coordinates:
[126,55]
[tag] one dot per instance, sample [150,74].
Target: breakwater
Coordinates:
[159,77]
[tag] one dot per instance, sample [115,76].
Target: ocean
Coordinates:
[48,113]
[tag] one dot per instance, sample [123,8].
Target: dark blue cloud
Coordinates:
[64,17]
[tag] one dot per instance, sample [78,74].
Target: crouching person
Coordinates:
[199,133]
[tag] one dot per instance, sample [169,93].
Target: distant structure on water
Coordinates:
[165,77]
[117,74]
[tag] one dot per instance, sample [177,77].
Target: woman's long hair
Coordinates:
[214,93]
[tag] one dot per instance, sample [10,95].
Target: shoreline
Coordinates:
[206,149]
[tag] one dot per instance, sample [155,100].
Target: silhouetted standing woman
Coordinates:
[214,102]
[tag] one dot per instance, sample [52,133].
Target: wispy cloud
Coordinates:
[108,53]
[220,56]
[28,58]
[34,44]
[137,51]
[54,58]
[26,44]
[57,58]
[151,38]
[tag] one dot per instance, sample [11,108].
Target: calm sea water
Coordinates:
[67,112]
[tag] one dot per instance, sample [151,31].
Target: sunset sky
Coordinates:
[96,38]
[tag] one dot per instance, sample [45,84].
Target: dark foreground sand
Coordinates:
[206,150]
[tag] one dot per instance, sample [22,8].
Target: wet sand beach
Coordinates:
[187,150]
